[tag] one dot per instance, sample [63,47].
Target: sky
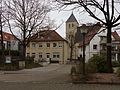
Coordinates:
[82,18]
[62,16]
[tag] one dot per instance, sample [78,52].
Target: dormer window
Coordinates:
[33,45]
[48,44]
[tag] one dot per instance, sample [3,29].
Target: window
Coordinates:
[95,47]
[48,55]
[72,25]
[33,44]
[80,55]
[40,45]
[54,44]
[69,25]
[48,44]
[33,54]
[40,55]
[60,44]
[56,55]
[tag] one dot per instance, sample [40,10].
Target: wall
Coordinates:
[89,51]
[14,45]
[61,51]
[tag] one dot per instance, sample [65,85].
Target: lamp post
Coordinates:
[83,30]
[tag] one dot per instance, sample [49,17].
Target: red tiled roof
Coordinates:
[116,36]
[7,36]
[45,36]
[92,31]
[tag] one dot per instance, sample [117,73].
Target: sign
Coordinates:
[8,59]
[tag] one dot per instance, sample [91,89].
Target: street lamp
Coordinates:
[83,30]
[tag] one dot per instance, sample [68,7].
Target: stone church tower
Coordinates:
[71,29]
[71,25]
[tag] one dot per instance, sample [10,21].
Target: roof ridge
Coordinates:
[48,35]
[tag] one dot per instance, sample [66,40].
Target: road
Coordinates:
[42,74]
[51,77]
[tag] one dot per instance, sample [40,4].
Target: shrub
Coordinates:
[29,60]
[118,72]
[32,65]
[9,67]
[29,63]
[115,64]
[91,67]
[12,52]
[97,64]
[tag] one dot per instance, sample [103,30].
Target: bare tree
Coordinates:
[2,24]
[25,17]
[109,12]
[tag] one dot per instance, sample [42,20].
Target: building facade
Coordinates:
[10,42]
[47,45]
[96,42]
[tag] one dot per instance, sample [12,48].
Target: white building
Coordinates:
[10,41]
[95,41]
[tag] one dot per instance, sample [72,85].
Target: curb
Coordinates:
[94,82]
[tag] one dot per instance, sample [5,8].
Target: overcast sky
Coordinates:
[62,16]
[82,18]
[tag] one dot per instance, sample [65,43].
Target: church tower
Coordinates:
[71,26]
[71,29]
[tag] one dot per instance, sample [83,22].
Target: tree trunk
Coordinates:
[109,54]
[71,51]
[2,44]
[23,52]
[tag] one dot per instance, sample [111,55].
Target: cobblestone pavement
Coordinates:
[52,77]
[57,86]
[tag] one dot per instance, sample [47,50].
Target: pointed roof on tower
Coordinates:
[72,18]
